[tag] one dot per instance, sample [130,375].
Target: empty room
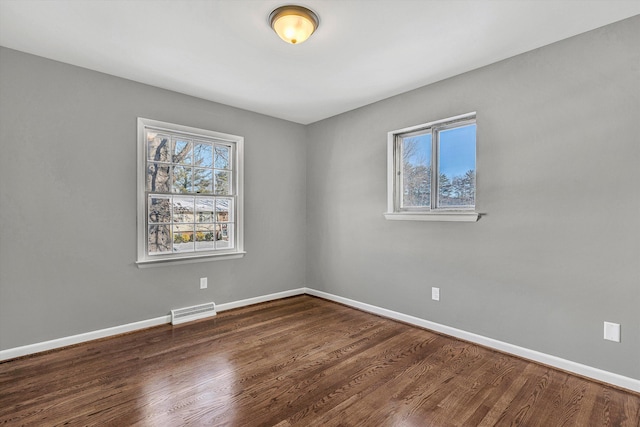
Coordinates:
[321,213]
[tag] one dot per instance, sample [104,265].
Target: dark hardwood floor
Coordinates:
[300,361]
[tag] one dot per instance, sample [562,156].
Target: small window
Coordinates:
[189,193]
[432,171]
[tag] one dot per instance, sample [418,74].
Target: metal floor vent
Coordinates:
[187,314]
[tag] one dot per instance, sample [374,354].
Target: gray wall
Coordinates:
[68,198]
[557,251]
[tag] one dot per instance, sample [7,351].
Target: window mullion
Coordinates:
[434,168]
[398,172]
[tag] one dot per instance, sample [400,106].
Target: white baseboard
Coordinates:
[256,300]
[557,362]
[547,359]
[12,353]
[77,339]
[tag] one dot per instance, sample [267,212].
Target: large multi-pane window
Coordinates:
[432,170]
[190,193]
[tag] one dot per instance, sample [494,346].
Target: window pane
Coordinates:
[202,180]
[222,180]
[204,237]
[182,179]
[158,177]
[457,167]
[183,238]
[182,151]
[204,209]
[223,237]
[223,210]
[183,209]
[159,240]
[203,155]
[159,208]
[416,170]
[158,147]
[221,157]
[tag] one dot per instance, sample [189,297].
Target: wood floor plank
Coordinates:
[299,361]
[373,377]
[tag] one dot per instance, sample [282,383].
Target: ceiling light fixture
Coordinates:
[294,24]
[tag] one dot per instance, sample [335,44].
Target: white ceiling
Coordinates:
[362,52]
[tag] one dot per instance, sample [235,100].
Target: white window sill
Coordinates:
[188,260]
[433,216]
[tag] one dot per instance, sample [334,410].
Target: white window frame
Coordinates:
[237,184]
[394,178]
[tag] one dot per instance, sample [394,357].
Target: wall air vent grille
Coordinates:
[187,314]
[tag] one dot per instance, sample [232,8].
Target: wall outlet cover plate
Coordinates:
[612,331]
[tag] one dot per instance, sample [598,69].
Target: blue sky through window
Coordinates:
[458,150]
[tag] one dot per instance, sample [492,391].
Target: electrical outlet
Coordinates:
[203,283]
[612,331]
[435,294]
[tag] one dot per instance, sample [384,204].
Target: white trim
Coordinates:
[189,260]
[391,172]
[257,300]
[433,216]
[80,338]
[414,128]
[26,350]
[547,359]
